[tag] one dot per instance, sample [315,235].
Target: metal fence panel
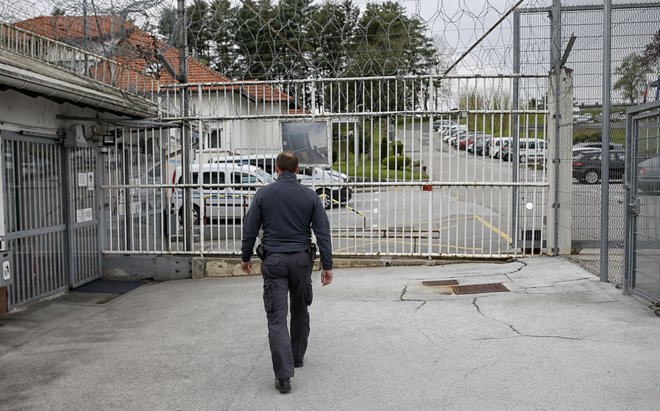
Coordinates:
[643,247]
[396,178]
[34,217]
[633,25]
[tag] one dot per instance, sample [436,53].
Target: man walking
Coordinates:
[287,211]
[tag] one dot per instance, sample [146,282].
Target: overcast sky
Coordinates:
[458,24]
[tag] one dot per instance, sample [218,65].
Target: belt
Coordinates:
[290,252]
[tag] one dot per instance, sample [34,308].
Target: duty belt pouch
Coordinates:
[261,252]
[312,251]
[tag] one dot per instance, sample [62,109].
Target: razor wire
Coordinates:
[301,39]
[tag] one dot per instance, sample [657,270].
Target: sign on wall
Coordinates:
[2,192]
[309,141]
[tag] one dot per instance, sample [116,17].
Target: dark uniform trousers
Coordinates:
[287,274]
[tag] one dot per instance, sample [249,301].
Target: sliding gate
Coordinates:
[419,166]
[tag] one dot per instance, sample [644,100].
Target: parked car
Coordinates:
[648,175]
[590,145]
[314,177]
[587,165]
[317,178]
[453,131]
[482,145]
[618,116]
[465,140]
[529,150]
[496,146]
[439,125]
[455,135]
[226,203]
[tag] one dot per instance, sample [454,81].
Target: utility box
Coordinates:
[6,277]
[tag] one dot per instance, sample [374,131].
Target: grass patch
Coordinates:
[587,134]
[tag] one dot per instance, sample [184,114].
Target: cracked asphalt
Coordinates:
[558,340]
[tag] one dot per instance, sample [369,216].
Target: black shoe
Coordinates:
[298,364]
[283,385]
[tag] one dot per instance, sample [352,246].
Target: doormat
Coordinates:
[480,288]
[109,286]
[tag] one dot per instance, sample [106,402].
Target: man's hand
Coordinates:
[246,266]
[326,277]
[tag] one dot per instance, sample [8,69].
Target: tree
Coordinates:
[633,72]
[199,34]
[222,26]
[255,39]
[389,43]
[198,31]
[651,56]
[293,44]
[332,32]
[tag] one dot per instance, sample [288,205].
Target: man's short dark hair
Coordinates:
[287,161]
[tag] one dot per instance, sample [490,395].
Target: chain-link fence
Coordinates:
[633,26]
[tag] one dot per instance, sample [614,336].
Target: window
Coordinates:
[243,179]
[194,178]
[215,139]
[214,177]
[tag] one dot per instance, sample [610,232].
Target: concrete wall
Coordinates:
[156,267]
[22,113]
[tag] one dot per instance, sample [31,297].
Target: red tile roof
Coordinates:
[137,49]
[64,28]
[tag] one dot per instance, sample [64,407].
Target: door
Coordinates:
[35,217]
[643,199]
[83,221]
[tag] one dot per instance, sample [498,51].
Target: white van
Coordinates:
[226,193]
[496,146]
[530,150]
[321,180]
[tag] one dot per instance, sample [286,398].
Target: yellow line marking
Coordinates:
[494,229]
[345,206]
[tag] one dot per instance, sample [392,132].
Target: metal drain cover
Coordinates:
[480,288]
[438,283]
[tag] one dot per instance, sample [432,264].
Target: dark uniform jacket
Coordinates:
[288,211]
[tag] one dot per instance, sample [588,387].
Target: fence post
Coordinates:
[515,106]
[605,162]
[560,178]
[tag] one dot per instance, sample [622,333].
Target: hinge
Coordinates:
[633,207]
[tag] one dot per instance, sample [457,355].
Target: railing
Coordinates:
[78,61]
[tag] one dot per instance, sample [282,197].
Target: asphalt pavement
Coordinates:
[381,339]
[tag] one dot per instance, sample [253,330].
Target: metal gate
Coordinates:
[51,225]
[83,222]
[409,166]
[36,229]
[643,200]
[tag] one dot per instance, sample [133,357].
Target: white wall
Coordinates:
[19,112]
[255,135]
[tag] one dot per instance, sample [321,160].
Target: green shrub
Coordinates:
[584,136]
[398,162]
